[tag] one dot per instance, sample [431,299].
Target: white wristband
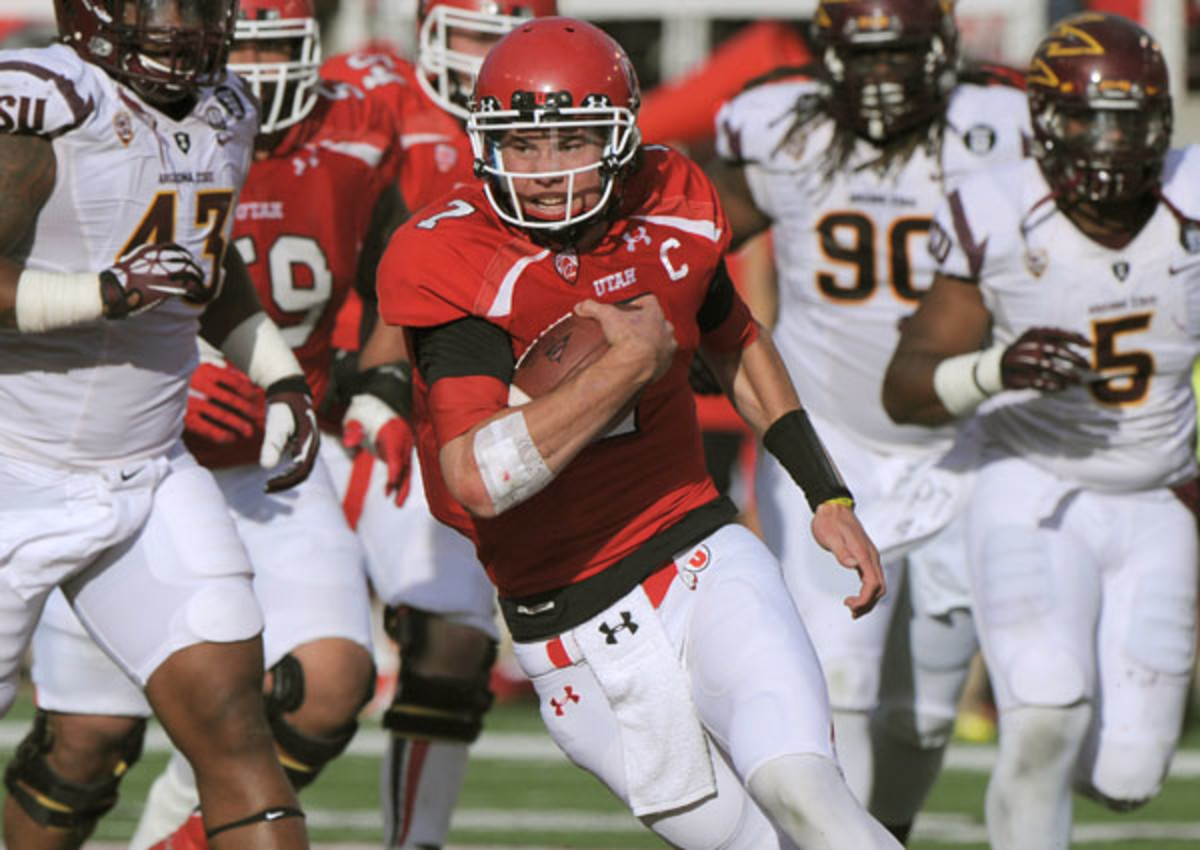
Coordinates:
[964,382]
[257,348]
[509,462]
[47,301]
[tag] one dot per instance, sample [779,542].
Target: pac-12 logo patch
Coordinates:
[691,567]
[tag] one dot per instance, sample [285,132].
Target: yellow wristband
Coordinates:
[845,501]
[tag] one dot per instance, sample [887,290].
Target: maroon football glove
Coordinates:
[291,429]
[224,405]
[1042,359]
[147,276]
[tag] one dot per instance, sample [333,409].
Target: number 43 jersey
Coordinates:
[108,392]
[1131,424]
[851,240]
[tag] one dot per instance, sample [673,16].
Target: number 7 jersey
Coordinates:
[107,392]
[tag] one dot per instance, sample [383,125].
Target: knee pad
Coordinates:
[59,803]
[436,706]
[1046,676]
[303,756]
[1124,775]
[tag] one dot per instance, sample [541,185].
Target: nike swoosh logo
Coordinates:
[1174,270]
[128,476]
[272,816]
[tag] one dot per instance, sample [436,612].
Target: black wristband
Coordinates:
[391,384]
[290,384]
[795,444]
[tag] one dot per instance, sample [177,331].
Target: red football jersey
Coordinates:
[436,153]
[300,223]
[458,259]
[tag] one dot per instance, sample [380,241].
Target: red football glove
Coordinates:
[291,428]
[224,405]
[371,424]
[147,276]
[1042,359]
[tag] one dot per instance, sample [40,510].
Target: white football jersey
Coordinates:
[851,247]
[1133,427]
[108,392]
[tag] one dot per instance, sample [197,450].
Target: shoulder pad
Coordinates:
[750,126]
[45,92]
[1181,181]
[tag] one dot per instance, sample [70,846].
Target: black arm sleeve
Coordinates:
[718,301]
[459,349]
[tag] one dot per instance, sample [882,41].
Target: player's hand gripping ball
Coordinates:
[567,346]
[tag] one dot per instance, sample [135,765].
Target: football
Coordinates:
[561,350]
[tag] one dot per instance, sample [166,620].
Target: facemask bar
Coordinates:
[166,55]
[287,90]
[500,187]
[448,75]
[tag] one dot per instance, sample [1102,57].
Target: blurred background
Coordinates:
[669,38]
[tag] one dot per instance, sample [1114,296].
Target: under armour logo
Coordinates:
[184,141]
[610,632]
[569,695]
[633,239]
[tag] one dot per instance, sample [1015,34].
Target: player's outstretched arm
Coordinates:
[760,388]
[236,323]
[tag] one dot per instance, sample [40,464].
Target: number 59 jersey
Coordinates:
[108,392]
[1131,424]
[851,236]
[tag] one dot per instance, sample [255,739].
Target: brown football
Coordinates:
[560,351]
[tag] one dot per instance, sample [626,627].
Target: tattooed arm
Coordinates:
[27,170]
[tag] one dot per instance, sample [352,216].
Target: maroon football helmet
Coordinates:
[890,64]
[548,73]
[1100,104]
[448,73]
[166,49]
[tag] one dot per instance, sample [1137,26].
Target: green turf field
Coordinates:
[519,793]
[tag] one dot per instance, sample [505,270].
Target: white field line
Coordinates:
[537,747]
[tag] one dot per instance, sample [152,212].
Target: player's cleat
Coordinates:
[189,836]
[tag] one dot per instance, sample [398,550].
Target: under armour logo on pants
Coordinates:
[569,695]
[610,632]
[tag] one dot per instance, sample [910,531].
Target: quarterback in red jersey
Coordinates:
[315,142]
[642,614]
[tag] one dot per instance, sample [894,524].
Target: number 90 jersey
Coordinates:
[108,392]
[851,245]
[1131,425]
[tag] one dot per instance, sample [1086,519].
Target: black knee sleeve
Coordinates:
[446,707]
[53,801]
[303,756]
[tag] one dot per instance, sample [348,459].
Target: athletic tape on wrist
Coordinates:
[964,382]
[257,348]
[509,462]
[794,443]
[48,301]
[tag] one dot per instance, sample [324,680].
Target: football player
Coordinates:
[313,142]
[848,166]
[439,605]
[124,148]
[666,654]
[1067,304]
